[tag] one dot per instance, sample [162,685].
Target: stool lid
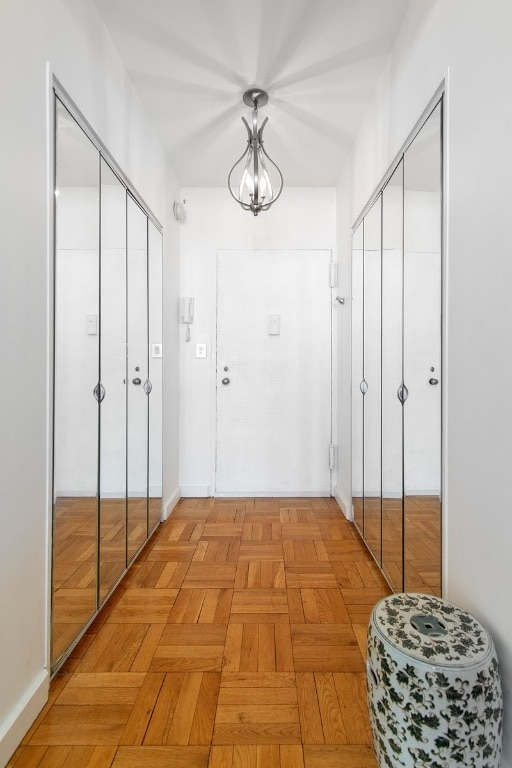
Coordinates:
[431,630]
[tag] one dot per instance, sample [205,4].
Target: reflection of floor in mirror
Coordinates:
[74,569]
[422,540]
[423,544]
[74,557]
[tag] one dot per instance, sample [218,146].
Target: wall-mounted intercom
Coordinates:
[187,313]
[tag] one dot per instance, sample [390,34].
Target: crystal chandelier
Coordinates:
[255,191]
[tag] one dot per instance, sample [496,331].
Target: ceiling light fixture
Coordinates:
[255,191]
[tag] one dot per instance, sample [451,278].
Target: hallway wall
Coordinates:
[301,219]
[467,42]
[70,36]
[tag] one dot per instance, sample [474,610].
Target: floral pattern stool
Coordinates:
[434,691]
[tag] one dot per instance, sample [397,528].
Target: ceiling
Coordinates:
[191,60]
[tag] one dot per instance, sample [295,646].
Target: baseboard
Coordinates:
[195,491]
[170,503]
[272,494]
[344,503]
[22,716]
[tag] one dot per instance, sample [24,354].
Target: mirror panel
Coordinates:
[392,455]
[137,427]
[113,378]
[155,375]
[76,353]
[372,375]
[357,377]
[422,357]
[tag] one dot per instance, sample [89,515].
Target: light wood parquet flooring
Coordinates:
[236,640]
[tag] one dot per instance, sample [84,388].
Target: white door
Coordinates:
[273,373]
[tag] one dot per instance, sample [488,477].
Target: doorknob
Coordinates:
[136,381]
[225,380]
[433,381]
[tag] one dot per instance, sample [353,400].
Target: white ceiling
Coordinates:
[191,60]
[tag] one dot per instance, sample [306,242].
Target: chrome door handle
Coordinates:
[99,392]
[402,393]
[433,381]
[136,381]
[225,380]
[147,386]
[364,386]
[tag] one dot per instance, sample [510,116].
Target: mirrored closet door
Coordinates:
[396,364]
[107,473]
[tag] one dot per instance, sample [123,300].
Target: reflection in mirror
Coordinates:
[76,329]
[357,377]
[113,379]
[138,400]
[372,374]
[155,375]
[422,357]
[392,468]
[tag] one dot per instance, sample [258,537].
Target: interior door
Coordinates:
[357,376]
[273,373]
[137,424]
[112,519]
[422,357]
[392,376]
[76,384]
[372,378]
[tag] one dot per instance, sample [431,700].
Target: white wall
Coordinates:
[468,42]
[301,219]
[68,34]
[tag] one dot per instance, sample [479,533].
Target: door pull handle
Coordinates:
[136,381]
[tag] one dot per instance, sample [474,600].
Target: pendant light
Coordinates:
[255,181]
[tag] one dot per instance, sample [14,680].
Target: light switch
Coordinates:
[156,350]
[274,325]
[201,350]
[91,325]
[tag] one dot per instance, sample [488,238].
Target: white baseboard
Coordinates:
[170,503]
[344,503]
[195,491]
[22,716]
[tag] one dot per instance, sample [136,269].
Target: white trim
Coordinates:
[170,503]
[50,260]
[195,491]
[22,716]
[344,504]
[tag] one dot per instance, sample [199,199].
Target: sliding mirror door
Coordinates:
[137,378]
[107,431]
[372,379]
[357,377]
[155,375]
[396,359]
[392,376]
[422,357]
[76,383]
[113,378]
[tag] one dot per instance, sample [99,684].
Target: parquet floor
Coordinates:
[237,640]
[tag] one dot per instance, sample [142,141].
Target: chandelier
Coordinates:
[255,191]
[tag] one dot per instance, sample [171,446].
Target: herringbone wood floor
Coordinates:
[237,640]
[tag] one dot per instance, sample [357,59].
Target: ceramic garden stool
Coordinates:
[434,691]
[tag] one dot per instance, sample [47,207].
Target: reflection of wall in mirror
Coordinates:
[76,353]
[422,335]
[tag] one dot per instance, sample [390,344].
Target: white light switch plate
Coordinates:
[201,350]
